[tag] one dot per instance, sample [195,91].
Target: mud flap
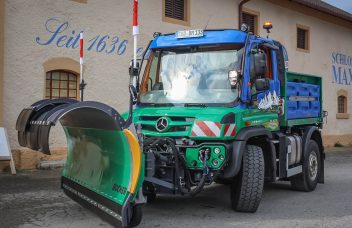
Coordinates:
[104,166]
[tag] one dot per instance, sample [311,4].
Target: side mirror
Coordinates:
[260,66]
[134,71]
[233,78]
[262,84]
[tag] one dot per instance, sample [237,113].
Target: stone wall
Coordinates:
[29,159]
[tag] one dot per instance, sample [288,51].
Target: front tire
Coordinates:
[307,181]
[136,216]
[247,189]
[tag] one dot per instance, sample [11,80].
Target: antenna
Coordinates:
[206,26]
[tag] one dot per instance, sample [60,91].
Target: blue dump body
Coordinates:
[303,98]
[307,103]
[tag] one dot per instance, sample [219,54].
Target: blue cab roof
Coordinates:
[210,37]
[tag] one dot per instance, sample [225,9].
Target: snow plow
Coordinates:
[211,106]
[104,163]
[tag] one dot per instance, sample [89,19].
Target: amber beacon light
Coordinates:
[268,25]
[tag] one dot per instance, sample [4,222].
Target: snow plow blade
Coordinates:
[104,166]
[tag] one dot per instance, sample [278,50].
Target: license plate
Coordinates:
[189,33]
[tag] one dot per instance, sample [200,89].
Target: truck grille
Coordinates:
[177,123]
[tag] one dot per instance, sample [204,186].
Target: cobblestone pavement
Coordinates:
[34,199]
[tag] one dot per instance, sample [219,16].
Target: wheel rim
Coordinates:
[313,166]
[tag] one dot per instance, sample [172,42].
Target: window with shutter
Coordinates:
[302,38]
[251,20]
[176,11]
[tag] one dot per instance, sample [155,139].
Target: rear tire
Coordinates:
[151,197]
[307,181]
[247,189]
[136,216]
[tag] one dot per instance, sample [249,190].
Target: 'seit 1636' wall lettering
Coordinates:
[341,69]
[61,36]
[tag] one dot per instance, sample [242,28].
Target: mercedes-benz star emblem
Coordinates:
[161,124]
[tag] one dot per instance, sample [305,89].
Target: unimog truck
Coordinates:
[206,106]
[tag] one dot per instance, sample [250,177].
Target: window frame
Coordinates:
[256,16]
[60,80]
[187,11]
[307,38]
[342,115]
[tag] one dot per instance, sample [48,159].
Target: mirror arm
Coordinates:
[133,71]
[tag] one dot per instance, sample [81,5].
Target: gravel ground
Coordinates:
[34,199]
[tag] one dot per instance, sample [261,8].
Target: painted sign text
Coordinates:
[341,69]
[59,35]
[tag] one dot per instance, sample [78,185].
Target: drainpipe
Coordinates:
[240,7]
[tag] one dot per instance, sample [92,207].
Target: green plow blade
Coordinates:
[104,169]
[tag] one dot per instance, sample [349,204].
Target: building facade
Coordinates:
[39,54]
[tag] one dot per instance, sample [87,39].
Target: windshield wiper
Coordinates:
[157,104]
[195,105]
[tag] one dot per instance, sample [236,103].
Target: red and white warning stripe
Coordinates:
[230,130]
[135,18]
[135,33]
[206,129]
[81,48]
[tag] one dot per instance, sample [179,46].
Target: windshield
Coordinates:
[193,75]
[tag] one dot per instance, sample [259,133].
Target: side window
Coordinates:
[285,57]
[261,69]
[281,62]
[61,84]
[153,72]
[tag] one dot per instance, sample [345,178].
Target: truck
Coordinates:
[205,106]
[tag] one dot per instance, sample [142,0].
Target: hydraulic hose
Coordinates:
[201,183]
[171,143]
